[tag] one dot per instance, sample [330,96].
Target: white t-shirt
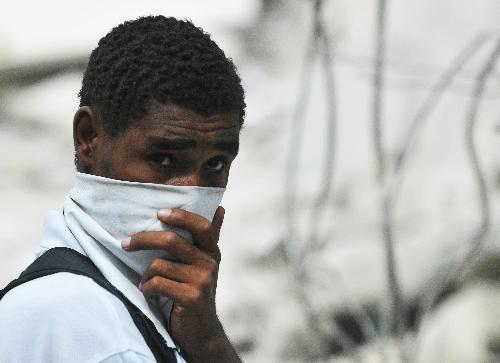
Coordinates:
[65,318]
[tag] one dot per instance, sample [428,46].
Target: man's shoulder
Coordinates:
[69,312]
[61,294]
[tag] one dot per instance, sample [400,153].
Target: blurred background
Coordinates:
[361,212]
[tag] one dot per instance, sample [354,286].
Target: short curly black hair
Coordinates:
[157,58]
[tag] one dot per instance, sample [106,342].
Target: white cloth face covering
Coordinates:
[109,210]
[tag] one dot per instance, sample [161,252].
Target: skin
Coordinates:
[175,146]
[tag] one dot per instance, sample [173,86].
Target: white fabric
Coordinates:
[88,324]
[101,212]
[67,318]
[104,211]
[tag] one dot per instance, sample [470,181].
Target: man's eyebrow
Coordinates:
[171,144]
[230,147]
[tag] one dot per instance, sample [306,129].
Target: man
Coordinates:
[161,108]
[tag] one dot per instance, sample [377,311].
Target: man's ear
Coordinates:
[87,129]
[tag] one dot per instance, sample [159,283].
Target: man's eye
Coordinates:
[166,161]
[216,164]
[163,160]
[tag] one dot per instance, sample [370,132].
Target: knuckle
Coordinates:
[212,265]
[173,239]
[168,239]
[205,278]
[206,226]
[156,265]
[194,295]
[172,236]
[155,283]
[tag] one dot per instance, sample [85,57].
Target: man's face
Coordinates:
[170,145]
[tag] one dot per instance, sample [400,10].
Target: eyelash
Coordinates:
[218,159]
[159,158]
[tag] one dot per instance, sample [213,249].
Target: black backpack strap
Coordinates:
[63,259]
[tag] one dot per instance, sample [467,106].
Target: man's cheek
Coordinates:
[134,170]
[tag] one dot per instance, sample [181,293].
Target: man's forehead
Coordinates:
[169,126]
[172,116]
[227,145]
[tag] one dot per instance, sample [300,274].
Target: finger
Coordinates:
[171,242]
[217,222]
[216,227]
[179,292]
[171,270]
[160,286]
[200,227]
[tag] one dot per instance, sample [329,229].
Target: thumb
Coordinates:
[217,222]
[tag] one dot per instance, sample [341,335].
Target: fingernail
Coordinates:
[164,213]
[140,285]
[126,243]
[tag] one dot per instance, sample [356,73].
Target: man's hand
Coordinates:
[190,281]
